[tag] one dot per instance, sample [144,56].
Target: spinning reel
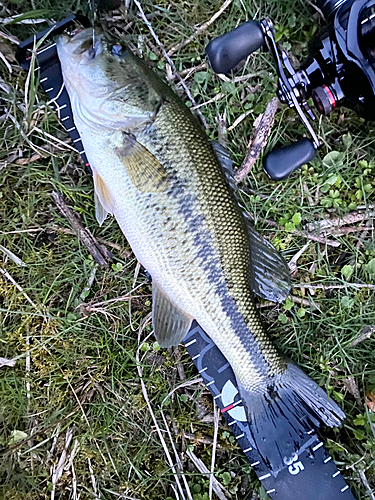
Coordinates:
[338,72]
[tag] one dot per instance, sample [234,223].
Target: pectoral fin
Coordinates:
[270,277]
[144,169]
[104,202]
[170,323]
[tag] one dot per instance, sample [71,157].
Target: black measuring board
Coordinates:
[51,79]
[312,475]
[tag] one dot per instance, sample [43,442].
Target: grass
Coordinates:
[82,377]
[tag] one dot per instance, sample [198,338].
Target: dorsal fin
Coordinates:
[270,278]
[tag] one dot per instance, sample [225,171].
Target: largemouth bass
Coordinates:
[156,172]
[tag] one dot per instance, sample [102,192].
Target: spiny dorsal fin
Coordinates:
[104,202]
[144,169]
[270,277]
[170,323]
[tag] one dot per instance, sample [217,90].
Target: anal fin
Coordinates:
[170,323]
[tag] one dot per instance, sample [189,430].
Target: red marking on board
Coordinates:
[227,408]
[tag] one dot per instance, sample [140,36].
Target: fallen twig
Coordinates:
[93,480]
[292,264]
[7,362]
[186,73]
[366,484]
[222,128]
[296,300]
[334,287]
[347,219]
[238,120]
[99,252]
[364,334]
[58,470]
[19,287]
[261,131]
[198,380]
[305,234]
[201,28]
[216,485]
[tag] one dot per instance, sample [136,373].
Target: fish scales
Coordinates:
[156,171]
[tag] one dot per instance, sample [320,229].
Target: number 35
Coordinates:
[296,468]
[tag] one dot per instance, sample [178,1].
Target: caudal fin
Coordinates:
[280,416]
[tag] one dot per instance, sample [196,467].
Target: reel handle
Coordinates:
[280,163]
[226,51]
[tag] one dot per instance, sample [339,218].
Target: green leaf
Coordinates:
[196,488]
[32,14]
[333,159]
[201,77]
[226,478]
[289,226]
[228,87]
[347,271]
[359,434]
[283,318]
[184,398]
[370,267]
[156,347]
[288,304]
[145,347]
[347,301]
[292,21]
[338,396]
[17,436]
[297,218]
[301,312]
[347,140]
[359,420]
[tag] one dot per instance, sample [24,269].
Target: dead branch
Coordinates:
[304,234]
[261,131]
[351,218]
[218,488]
[7,362]
[99,252]
[334,287]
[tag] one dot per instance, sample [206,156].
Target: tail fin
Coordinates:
[280,417]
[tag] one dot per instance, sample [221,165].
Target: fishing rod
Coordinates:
[312,474]
[339,71]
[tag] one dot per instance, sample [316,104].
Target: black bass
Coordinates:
[156,172]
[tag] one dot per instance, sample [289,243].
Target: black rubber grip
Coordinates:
[280,163]
[226,51]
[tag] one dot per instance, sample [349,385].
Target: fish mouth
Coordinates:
[81,42]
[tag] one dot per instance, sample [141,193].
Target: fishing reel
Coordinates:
[338,72]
